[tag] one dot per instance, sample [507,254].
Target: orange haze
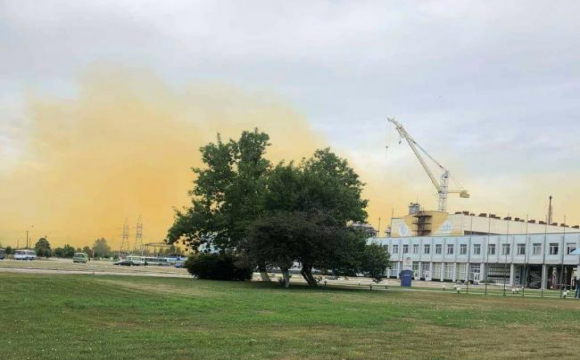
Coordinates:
[123,147]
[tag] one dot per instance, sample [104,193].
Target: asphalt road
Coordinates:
[95,267]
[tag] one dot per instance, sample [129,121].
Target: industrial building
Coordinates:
[465,247]
[438,223]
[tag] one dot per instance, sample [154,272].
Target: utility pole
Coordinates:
[486,253]
[27,230]
[562,279]
[505,249]
[526,255]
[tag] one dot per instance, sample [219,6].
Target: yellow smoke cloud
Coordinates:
[124,147]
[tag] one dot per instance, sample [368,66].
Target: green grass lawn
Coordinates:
[94,317]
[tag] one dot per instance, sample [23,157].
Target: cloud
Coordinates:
[124,148]
[489,88]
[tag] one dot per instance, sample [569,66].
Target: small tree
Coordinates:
[9,250]
[101,248]
[376,260]
[87,250]
[68,251]
[42,248]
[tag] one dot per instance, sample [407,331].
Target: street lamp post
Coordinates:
[27,230]
[506,248]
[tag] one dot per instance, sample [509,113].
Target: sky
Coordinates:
[103,104]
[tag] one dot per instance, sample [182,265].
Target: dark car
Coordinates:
[126,263]
[2,254]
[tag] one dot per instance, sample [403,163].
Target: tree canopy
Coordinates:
[42,248]
[226,196]
[67,251]
[276,215]
[101,248]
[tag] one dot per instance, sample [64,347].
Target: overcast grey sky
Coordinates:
[489,86]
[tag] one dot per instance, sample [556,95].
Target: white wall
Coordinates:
[484,240]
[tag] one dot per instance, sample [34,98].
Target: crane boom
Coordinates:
[442,186]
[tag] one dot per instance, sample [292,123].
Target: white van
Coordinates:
[158,261]
[135,259]
[24,255]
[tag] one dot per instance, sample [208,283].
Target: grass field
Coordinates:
[102,317]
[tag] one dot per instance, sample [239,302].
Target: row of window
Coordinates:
[505,249]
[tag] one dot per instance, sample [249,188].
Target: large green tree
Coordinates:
[274,216]
[42,248]
[307,212]
[227,194]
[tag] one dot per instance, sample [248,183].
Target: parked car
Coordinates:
[179,264]
[80,258]
[24,255]
[126,263]
[2,254]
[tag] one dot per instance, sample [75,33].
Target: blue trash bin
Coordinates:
[406,277]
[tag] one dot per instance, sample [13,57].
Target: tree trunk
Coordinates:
[286,277]
[263,273]
[306,273]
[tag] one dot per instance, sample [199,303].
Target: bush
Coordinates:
[217,267]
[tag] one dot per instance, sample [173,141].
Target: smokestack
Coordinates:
[550,211]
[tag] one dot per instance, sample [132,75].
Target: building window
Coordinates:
[505,249]
[463,249]
[491,249]
[521,249]
[438,249]
[395,249]
[415,249]
[416,268]
[450,248]
[477,249]
[537,250]
[570,247]
[427,248]
[405,249]
[553,248]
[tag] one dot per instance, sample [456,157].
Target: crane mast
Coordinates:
[441,185]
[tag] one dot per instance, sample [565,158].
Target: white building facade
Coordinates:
[532,260]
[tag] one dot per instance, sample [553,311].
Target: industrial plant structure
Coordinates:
[466,246]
